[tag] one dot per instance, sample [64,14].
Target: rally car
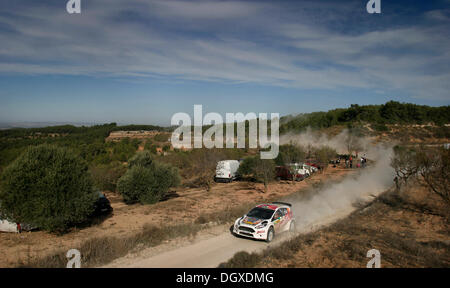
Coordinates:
[266,220]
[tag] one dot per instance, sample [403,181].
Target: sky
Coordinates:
[141,61]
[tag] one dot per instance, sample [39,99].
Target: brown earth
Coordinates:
[184,206]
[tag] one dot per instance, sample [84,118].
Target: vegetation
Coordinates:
[47,187]
[147,181]
[259,169]
[290,153]
[432,165]
[324,155]
[106,176]
[87,142]
[390,113]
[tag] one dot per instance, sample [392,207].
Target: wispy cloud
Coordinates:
[287,44]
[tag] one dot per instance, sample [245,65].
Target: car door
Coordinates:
[276,220]
[284,219]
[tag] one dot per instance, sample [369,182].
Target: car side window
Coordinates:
[277,214]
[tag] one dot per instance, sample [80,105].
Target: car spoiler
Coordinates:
[283,203]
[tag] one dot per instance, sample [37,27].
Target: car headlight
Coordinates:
[238,222]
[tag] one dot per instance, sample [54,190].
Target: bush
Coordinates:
[106,176]
[47,187]
[151,147]
[161,137]
[380,127]
[142,158]
[147,185]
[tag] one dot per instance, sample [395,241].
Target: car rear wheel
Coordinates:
[270,235]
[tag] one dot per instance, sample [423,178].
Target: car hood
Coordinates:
[252,220]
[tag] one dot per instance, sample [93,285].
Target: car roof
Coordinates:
[271,206]
[268,206]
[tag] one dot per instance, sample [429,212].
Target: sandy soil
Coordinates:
[126,219]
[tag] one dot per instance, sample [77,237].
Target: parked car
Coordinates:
[227,171]
[7,226]
[313,164]
[286,173]
[102,206]
[265,221]
[312,169]
[301,169]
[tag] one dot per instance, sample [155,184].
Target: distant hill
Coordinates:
[390,113]
[12,125]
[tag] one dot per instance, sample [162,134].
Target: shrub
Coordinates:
[106,176]
[380,127]
[152,148]
[142,158]
[161,137]
[147,185]
[48,187]
[242,259]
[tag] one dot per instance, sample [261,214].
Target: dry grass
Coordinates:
[102,250]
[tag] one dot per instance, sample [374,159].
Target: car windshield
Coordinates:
[261,213]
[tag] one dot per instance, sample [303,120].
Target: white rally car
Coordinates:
[266,220]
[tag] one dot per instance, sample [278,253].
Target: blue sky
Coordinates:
[140,61]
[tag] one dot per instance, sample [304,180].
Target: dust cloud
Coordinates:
[317,139]
[331,202]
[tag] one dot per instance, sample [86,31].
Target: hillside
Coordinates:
[378,116]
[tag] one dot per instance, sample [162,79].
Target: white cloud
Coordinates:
[227,41]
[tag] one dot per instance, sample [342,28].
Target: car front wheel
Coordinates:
[270,235]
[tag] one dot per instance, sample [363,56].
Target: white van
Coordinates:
[226,171]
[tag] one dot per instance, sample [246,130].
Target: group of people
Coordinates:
[360,164]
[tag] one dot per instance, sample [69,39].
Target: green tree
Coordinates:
[141,158]
[324,154]
[48,187]
[260,169]
[290,153]
[147,184]
[106,175]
